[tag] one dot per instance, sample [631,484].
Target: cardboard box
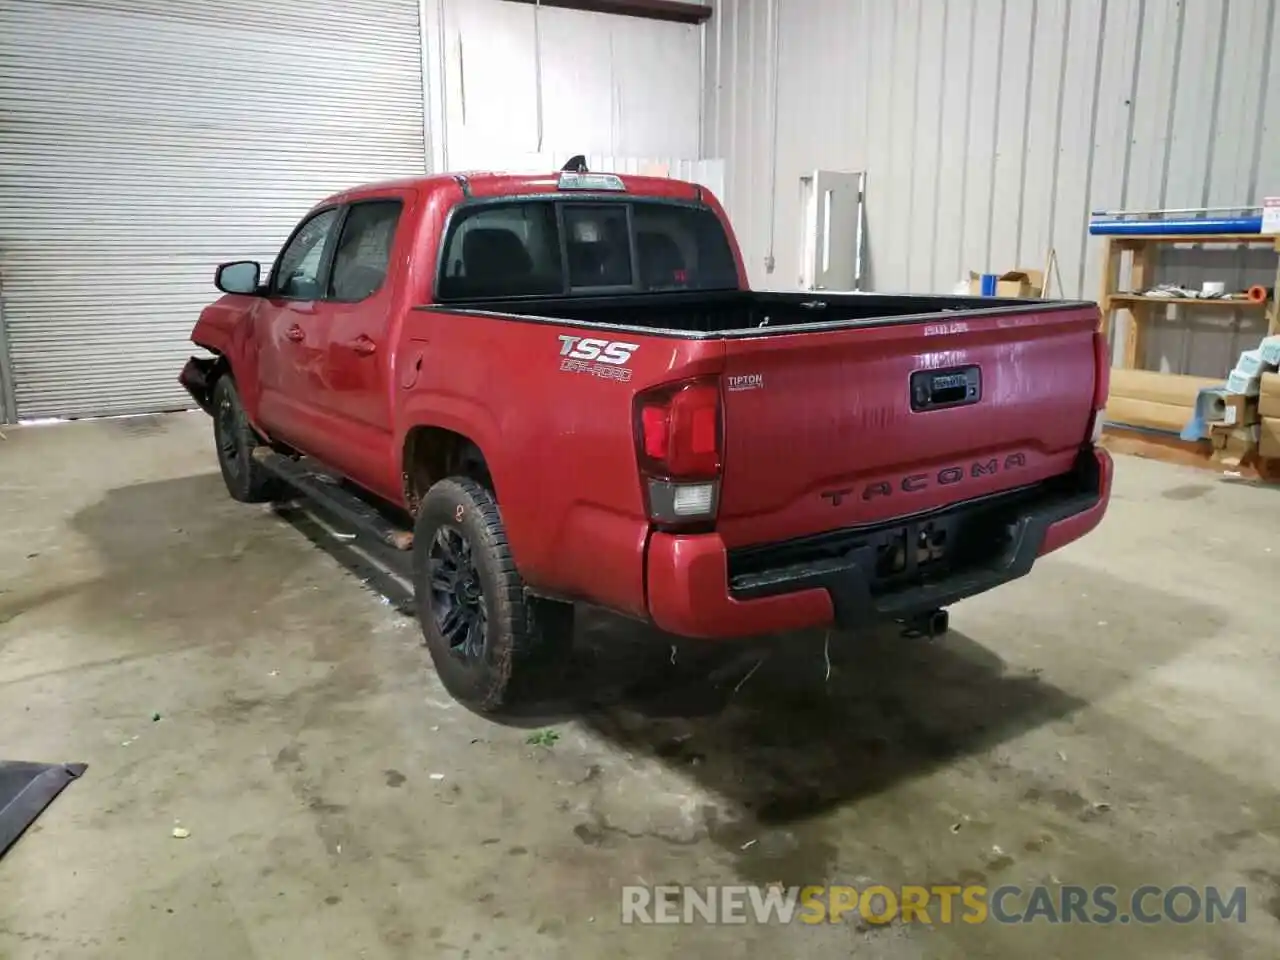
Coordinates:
[1239,411]
[1269,350]
[1244,384]
[1250,364]
[1269,441]
[1271,215]
[1235,441]
[1019,283]
[1269,396]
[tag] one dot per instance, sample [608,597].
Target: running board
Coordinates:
[328,495]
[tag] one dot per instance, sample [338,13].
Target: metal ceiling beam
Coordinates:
[678,11]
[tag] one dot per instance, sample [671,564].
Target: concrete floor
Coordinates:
[1110,719]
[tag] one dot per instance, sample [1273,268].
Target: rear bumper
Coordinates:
[698,588]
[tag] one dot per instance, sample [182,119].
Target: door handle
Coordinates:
[363,346]
[295,334]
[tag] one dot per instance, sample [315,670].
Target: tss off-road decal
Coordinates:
[605,359]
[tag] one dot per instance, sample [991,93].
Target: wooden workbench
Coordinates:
[1140,309]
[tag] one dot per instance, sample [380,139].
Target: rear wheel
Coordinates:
[483,630]
[246,479]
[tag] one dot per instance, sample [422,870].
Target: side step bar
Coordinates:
[327,494]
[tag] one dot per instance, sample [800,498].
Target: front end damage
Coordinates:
[197,378]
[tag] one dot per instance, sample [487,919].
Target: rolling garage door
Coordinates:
[144,141]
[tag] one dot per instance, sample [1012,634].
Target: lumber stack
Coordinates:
[1154,401]
[1269,417]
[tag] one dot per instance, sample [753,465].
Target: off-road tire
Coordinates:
[246,479]
[521,632]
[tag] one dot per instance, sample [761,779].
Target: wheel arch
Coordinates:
[430,453]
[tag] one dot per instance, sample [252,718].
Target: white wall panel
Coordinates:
[1013,111]
[989,129]
[1266,145]
[946,253]
[1073,166]
[490,69]
[882,128]
[1113,128]
[926,148]
[1044,116]
[1154,86]
[580,93]
[899,227]
[982,111]
[657,84]
[519,80]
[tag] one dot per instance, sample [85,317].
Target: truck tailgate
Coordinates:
[825,429]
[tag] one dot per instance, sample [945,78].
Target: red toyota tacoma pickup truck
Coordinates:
[549,389]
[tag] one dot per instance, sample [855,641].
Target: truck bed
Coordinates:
[749,312]
[850,409]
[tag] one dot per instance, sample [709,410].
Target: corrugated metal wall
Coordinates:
[989,128]
[144,141]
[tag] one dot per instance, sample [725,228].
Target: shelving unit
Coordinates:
[1139,308]
[1198,301]
[1150,408]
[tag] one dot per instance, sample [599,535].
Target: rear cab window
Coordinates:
[555,248]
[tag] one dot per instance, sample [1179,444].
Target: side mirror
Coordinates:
[240,276]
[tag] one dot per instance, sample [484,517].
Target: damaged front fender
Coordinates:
[197,377]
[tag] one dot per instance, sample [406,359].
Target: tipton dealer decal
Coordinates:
[605,359]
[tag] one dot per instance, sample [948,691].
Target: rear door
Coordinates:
[831,428]
[360,300]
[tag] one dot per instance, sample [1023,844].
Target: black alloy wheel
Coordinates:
[489,639]
[247,480]
[457,596]
[227,434]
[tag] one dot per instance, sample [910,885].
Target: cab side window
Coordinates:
[364,250]
[298,270]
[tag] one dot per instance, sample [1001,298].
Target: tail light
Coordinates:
[678,436]
[1101,384]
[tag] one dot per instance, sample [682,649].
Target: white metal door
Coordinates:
[144,141]
[831,230]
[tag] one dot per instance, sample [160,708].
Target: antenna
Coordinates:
[577,164]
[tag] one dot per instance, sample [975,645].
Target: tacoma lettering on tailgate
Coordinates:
[915,482]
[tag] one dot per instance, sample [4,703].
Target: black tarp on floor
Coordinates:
[25,790]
